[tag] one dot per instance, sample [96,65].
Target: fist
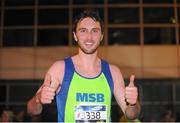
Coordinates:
[46,95]
[131,92]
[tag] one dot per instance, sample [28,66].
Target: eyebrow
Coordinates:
[81,28]
[92,28]
[97,28]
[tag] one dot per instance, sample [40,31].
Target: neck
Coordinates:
[87,60]
[88,65]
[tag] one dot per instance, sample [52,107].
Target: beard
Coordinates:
[87,50]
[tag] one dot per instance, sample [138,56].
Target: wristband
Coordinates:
[132,104]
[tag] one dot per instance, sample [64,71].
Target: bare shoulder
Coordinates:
[116,73]
[59,63]
[56,68]
[56,72]
[114,69]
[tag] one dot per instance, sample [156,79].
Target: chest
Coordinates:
[89,89]
[89,84]
[88,72]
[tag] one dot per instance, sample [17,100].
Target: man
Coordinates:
[84,83]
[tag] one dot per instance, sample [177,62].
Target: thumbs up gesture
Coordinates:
[47,91]
[131,92]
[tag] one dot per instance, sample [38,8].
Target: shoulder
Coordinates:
[115,72]
[114,68]
[57,69]
[58,65]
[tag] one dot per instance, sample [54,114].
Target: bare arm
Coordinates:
[34,107]
[132,111]
[131,97]
[126,97]
[47,91]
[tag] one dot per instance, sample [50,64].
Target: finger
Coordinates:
[130,101]
[48,97]
[130,89]
[48,89]
[130,96]
[46,101]
[51,95]
[54,83]
[131,83]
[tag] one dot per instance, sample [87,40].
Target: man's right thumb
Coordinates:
[47,80]
[54,83]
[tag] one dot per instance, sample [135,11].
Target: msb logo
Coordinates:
[89,97]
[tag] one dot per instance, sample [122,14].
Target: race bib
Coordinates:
[91,113]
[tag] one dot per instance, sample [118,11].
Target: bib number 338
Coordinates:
[90,113]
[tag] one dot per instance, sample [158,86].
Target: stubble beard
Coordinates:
[88,51]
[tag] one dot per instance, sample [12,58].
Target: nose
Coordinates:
[89,36]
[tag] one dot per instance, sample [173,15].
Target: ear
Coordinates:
[102,36]
[75,37]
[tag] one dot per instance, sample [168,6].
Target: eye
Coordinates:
[95,30]
[82,30]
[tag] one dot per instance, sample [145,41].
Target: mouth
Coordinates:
[89,43]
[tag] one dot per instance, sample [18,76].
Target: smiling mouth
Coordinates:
[89,43]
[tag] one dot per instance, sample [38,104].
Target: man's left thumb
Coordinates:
[131,83]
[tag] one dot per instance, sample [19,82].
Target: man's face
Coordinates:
[88,35]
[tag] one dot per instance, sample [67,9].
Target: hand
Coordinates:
[47,92]
[131,92]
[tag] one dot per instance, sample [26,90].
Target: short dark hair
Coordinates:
[91,13]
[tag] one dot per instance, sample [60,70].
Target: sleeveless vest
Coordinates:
[83,99]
